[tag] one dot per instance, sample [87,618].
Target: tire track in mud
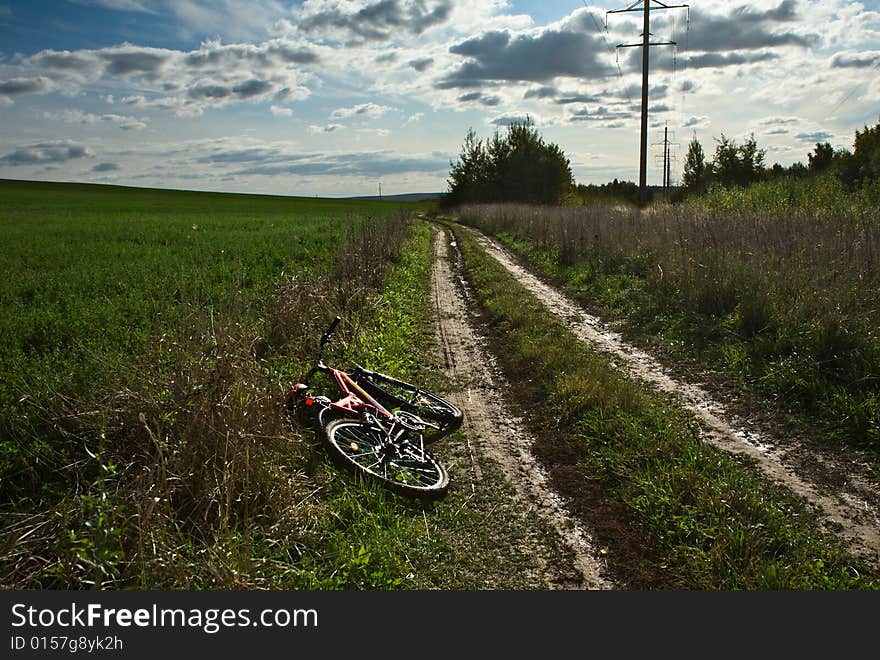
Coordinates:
[853,507]
[498,435]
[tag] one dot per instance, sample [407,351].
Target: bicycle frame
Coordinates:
[355,401]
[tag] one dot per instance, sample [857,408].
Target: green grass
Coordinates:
[131,315]
[706,517]
[94,273]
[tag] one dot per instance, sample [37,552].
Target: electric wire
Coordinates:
[852,91]
[611,50]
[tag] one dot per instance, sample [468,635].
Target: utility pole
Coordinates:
[666,159]
[645,46]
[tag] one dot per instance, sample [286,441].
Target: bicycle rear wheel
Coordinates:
[404,467]
[394,393]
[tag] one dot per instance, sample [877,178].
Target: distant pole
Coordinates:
[666,158]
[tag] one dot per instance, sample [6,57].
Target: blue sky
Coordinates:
[338,97]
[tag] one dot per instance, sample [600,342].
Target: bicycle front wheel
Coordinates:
[394,393]
[401,466]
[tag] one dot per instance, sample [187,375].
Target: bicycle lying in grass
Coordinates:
[379,426]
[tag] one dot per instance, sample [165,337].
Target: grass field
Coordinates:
[92,274]
[133,315]
[149,337]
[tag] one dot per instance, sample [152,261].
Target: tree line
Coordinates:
[743,164]
[520,166]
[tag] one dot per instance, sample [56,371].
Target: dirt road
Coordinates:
[850,505]
[495,433]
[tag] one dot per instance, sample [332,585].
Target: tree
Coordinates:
[696,170]
[469,176]
[866,152]
[861,166]
[752,161]
[821,158]
[738,165]
[517,167]
[615,191]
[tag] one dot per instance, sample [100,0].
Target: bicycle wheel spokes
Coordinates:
[432,404]
[400,465]
[362,445]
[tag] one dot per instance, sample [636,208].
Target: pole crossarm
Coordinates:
[636,7]
[653,43]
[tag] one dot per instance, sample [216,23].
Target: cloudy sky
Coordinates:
[342,97]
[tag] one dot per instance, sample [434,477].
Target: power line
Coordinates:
[611,50]
[851,92]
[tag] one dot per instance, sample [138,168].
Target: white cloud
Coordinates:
[326,128]
[118,5]
[696,122]
[125,122]
[371,110]
[278,111]
[46,153]
[185,82]
[380,132]
[25,85]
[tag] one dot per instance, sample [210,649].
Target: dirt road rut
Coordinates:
[494,433]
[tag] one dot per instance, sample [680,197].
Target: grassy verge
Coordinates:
[142,435]
[777,301]
[706,519]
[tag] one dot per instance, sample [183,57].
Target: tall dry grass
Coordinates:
[787,295]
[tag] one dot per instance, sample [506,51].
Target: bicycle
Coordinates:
[379,426]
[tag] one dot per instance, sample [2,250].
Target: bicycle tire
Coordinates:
[356,446]
[395,393]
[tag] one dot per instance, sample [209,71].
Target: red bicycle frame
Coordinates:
[355,399]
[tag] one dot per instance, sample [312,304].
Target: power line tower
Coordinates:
[667,158]
[646,6]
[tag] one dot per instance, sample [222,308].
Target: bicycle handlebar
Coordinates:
[329,331]
[318,365]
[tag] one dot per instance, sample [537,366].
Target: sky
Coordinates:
[335,98]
